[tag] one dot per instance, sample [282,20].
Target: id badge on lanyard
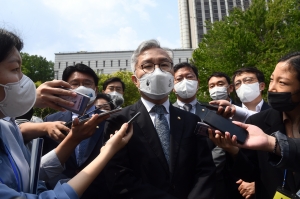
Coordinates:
[281,193]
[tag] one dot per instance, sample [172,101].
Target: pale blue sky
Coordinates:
[52,26]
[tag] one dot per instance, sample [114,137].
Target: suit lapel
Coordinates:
[148,130]
[176,130]
[201,111]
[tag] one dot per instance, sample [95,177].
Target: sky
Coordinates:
[53,26]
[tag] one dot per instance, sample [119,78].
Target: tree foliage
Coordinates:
[256,37]
[37,67]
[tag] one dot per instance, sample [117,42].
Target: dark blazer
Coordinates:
[140,169]
[98,189]
[226,188]
[254,165]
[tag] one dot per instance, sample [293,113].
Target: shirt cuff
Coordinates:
[50,166]
[276,160]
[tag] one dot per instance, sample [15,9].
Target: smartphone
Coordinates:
[80,102]
[101,114]
[222,124]
[202,129]
[84,119]
[212,107]
[133,118]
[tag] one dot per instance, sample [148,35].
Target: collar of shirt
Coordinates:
[74,115]
[149,106]
[258,106]
[193,103]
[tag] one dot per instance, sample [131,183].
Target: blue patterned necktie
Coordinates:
[163,130]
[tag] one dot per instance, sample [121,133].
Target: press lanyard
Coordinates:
[13,165]
[284,177]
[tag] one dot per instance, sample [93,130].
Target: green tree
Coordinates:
[37,67]
[256,37]
[131,94]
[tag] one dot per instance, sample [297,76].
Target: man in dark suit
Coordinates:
[84,78]
[186,80]
[164,158]
[249,84]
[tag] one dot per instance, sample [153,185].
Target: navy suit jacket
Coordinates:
[98,188]
[140,169]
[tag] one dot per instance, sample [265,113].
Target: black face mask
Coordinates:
[282,101]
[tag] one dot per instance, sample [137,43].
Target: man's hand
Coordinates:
[227,112]
[246,189]
[223,141]
[47,95]
[54,130]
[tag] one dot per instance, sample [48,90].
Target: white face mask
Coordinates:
[218,93]
[157,85]
[19,97]
[87,91]
[248,92]
[117,98]
[186,88]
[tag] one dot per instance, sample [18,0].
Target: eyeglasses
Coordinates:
[246,80]
[85,83]
[149,67]
[115,88]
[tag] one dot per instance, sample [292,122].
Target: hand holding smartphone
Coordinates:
[80,102]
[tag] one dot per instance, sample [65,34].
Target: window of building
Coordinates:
[58,64]
[126,62]
[73,63]
[187,60]
[103,63]
[81,62]
[66,64]
[55,74]
[100,71]
[88,63]
[119,63]
[111,63]
[179,60]
[96,64]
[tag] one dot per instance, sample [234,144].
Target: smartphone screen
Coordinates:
[80,103]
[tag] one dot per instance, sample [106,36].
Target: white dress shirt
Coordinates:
[193,103]
[150,105]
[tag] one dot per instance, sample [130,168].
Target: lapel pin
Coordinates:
[203,109]
[97,127]
[178,118]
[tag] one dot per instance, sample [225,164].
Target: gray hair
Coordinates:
[146,45]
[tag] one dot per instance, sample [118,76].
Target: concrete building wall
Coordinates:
[204,10]
[106,62]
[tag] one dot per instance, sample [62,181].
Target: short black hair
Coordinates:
[82,69]
[107,98]
[113,79]
[8,41]
[293,59]
[219,74]
[186,64]
[259,75]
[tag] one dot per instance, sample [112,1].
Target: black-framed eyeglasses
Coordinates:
[149,67]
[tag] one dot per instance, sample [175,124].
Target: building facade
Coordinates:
[194,13]
[106,62]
